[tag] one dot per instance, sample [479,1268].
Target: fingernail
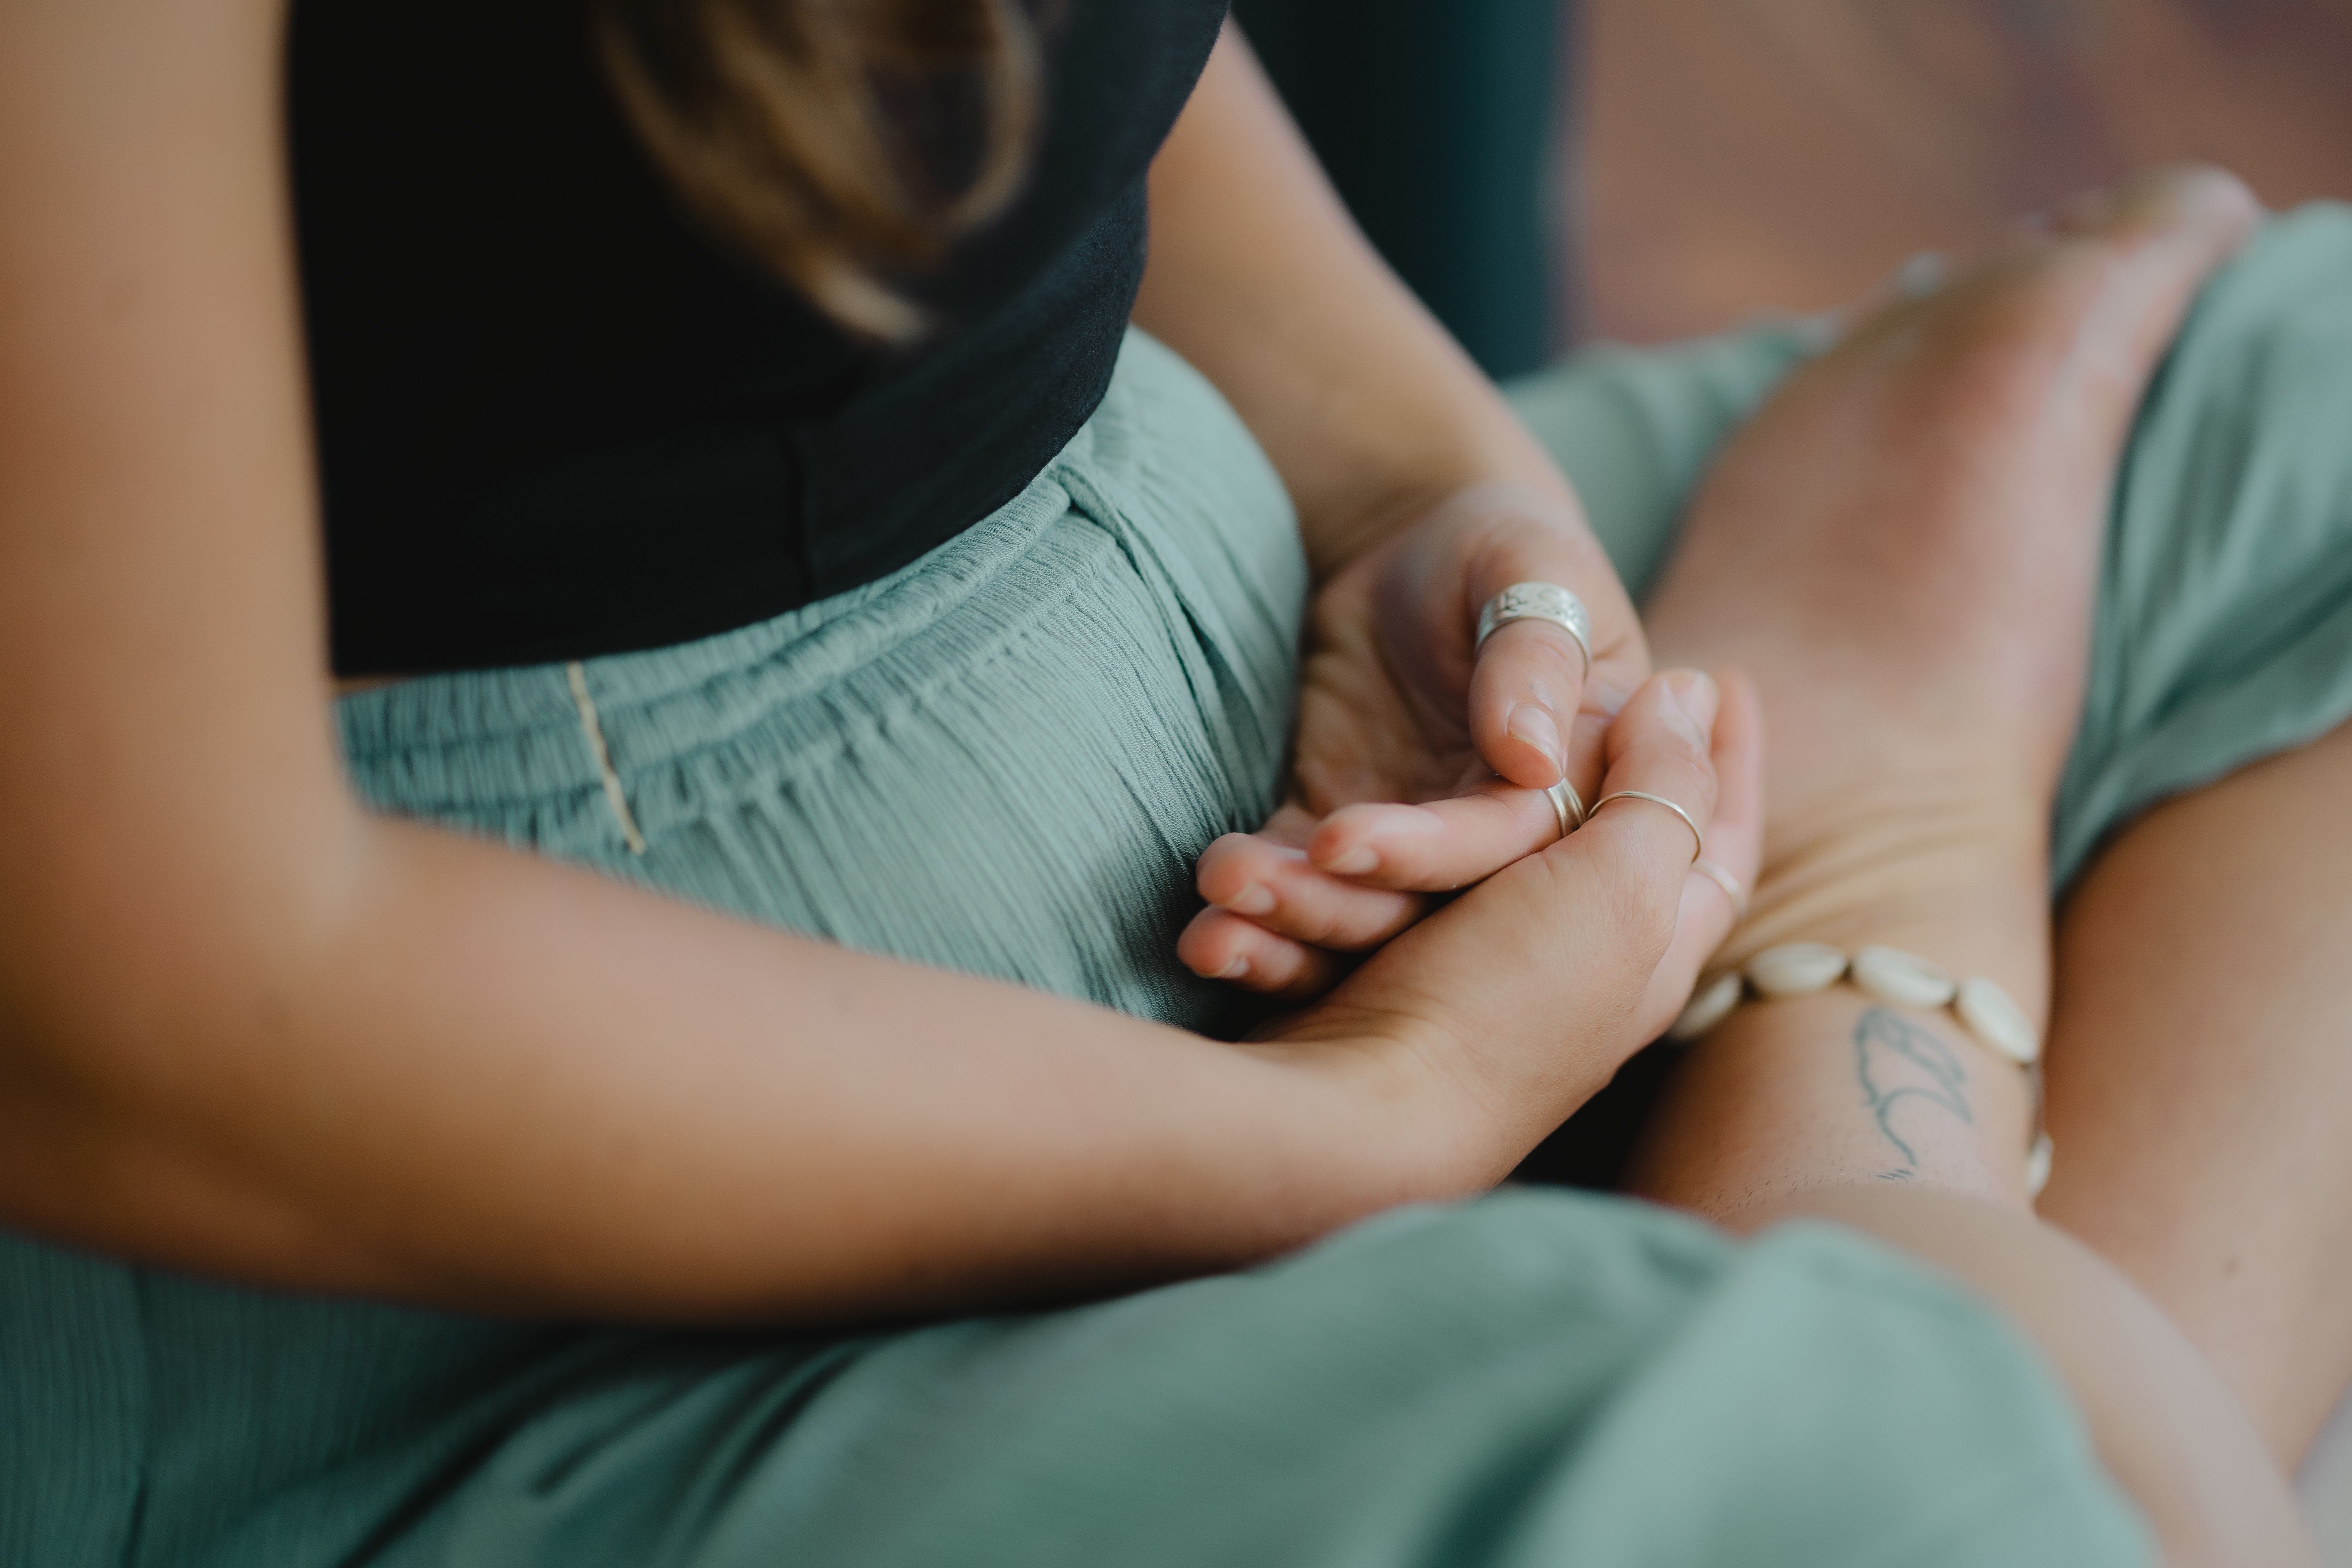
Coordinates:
[1692,697]
[1355,863]
[1235,970]
[1253,901]
[1531,726]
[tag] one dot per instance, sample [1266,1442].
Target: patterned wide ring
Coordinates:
[1537,602]
[1568,805]
[1699,840]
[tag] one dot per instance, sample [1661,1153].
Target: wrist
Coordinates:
[1435,1115]
[1345,525]
[1393,1094]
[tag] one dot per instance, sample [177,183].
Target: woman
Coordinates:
[266,1052]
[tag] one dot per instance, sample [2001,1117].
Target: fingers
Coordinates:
[1539,702]
[1257,877]
[1217,945]
[1532,988]
[1366,872]
[1662,745]
[1439,844]
[1273,905]
[1735,837]
[1277,925]
[1527,692]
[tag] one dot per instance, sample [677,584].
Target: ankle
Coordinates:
[1833,1088]
[1964,884]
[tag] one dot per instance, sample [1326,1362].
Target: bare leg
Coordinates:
[1901,549]
[1916,626]
[2200,1065]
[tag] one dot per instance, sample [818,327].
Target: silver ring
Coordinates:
[1567,805]
[1537,602]
[1697,839]
[1727,881]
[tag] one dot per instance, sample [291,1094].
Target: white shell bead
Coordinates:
[1996,1020]
[2037,1166]
[1900,979]
[1710,1005]
[1796,969]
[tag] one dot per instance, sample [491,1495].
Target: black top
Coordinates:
[556,420]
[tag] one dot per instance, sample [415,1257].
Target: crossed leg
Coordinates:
[2199,1069]
[1901,549]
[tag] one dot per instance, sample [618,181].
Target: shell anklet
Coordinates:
[1896,978]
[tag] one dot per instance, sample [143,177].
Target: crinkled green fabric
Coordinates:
[1004,759]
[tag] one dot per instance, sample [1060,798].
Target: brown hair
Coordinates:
[847,144]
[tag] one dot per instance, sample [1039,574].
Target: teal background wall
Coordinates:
[1440,122]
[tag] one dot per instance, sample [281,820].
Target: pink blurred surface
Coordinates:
[1741,154]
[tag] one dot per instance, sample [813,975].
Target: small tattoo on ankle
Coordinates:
[1896,1060]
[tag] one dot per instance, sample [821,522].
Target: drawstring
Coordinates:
[595,732]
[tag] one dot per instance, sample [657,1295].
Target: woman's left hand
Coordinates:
[1422,761]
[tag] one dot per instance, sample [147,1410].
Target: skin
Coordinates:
[2197,1076]
[1419,495]
[1917,751]
[1917,620]
[2165,1427]
[1920,621]
[247,1029]
[1900,548]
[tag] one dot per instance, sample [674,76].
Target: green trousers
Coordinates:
[1005,759]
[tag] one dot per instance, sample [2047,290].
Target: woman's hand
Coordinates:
[1396,706]
[1419,496]
[1498,1017]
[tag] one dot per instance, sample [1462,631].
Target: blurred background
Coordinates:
[1548,171]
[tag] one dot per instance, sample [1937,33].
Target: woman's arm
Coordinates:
[1420,496]
[1259,278]
[248,1028]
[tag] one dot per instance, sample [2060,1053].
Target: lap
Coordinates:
[1537,1378]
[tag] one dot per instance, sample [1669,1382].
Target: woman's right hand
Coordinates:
[1487,1024]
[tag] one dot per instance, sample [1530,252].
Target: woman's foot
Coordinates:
[1902,549]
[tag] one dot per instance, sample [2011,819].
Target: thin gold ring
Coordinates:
[1727,882]
[1699,840]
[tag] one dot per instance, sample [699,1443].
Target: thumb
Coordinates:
[1535,984]
[1540,698]
[1709,909]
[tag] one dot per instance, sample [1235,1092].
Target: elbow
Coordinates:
[142,992]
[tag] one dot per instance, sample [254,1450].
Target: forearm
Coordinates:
[314,1049]
[498,1084]
[1260,279]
